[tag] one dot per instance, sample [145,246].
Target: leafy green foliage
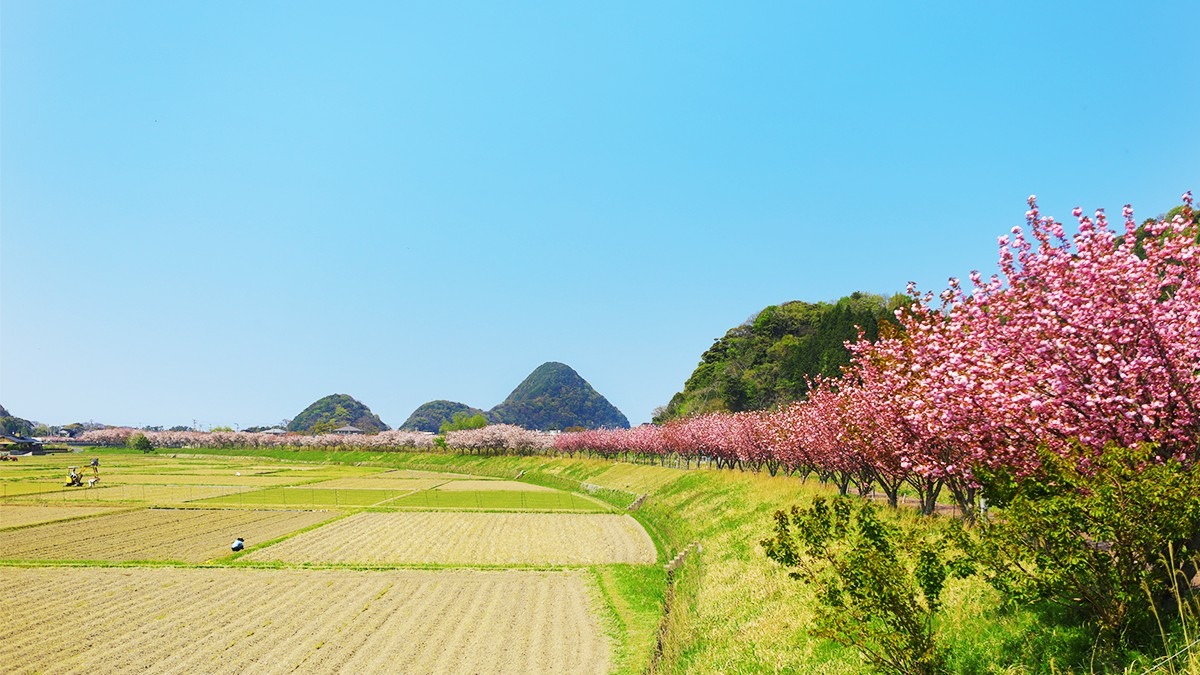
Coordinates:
[1110,539]
[335,411]
[462,420]
[769,359]
[879,588]
[432,415]
[140,443]
[554,396]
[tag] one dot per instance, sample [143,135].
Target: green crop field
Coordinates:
[306,497]
[499,500]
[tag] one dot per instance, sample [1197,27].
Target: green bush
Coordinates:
[1111,539]
[140,442]
[878,586]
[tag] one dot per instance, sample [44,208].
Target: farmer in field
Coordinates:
[96,467]
[238,544]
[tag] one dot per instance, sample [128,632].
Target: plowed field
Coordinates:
[114,477]
[90,620]
[191,535]
[470,539]
[13,515]
[154,494]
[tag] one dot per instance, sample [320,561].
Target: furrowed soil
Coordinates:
[470,539]
[13,515]
[153,494]
[278,621]
[190,535]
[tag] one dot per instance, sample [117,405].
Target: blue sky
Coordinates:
[223,211]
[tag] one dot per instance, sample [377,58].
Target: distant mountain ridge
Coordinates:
[553,396]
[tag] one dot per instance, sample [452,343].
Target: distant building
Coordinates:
[276,431]
[20,444]
[346,430]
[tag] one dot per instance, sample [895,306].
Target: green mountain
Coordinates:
[14,426]
[430,416]
[334,411]
[555,397]
[767,360]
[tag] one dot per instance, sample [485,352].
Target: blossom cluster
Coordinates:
[500,437]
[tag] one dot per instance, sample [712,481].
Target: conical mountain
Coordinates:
[430,416]
[555,397]
[335,411]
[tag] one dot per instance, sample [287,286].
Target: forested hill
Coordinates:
[430,416]
[335,411]
[14,426]
[554,396]
[765,361]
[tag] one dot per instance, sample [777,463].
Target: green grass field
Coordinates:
[306,497]
[499,500]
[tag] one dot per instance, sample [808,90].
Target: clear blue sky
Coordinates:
[224,211]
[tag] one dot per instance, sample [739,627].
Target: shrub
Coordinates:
[1111,537]
[878,589]
[140,442]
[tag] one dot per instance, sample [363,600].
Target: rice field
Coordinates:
[458,538]
[150,494]
[299,598]
[500,500]
[189,535]
[20,515]
[307,497]
[490,485]
[87,620]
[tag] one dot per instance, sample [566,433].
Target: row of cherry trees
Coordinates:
[1080,343]
[232,439]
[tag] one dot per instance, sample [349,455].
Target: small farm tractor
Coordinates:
[75,479]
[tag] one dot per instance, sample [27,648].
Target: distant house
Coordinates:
[275,431]
[346,430]
[20,444]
